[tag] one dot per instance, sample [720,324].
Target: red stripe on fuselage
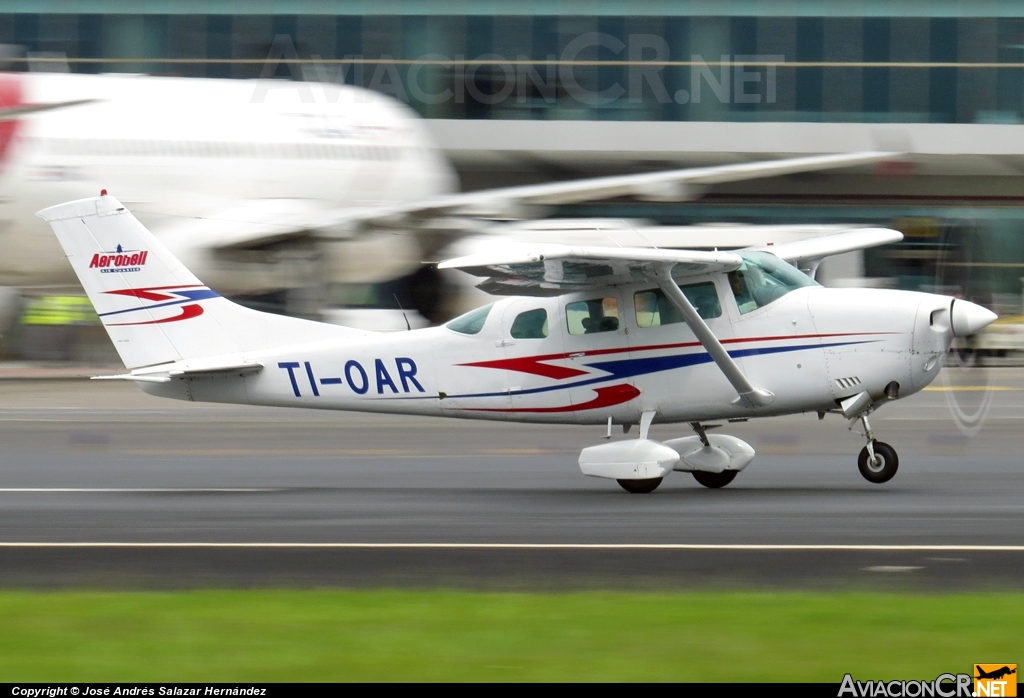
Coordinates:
[606,397]
[187,312]
[531,365]
[534,364]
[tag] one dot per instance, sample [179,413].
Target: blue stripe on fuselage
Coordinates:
[629,368]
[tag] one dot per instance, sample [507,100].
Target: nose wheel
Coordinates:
[877,461]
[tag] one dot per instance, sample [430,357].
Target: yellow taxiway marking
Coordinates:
[526,546]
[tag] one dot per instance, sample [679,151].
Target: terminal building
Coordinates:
[535,91]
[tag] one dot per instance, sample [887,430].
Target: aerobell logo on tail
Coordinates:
[119,260]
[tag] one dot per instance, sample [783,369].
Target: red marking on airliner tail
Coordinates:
[187,312]
[531,364]
[606,397]
[10,96]
[149,293]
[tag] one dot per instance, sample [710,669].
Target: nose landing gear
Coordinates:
[877,461]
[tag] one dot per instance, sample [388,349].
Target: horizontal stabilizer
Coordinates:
[160,374]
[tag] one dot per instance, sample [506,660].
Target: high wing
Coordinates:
[540,270]
[552,269]
[807,254]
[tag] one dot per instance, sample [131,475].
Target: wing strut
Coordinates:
[748,394]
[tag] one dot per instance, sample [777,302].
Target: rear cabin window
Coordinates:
[472,322]
[590,317]
[653,309]
[533,324]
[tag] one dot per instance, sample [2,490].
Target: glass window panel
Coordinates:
[472,322]
[592,316]
[533,324]
[653,309]
[763,279]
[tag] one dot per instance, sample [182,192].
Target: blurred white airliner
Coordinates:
[220,168]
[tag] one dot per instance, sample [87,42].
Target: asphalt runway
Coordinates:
[148,488]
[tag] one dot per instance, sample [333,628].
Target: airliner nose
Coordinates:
[968,318]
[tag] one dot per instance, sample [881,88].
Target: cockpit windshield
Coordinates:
[764,278]
[472,322]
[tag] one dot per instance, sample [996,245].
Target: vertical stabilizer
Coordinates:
[154,309]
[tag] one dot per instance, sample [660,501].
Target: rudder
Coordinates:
[154,309]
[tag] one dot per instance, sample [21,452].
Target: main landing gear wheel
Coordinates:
[640,486]
[882,467]
[715,480]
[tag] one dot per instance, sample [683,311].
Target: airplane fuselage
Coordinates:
[811,348]
[630,335]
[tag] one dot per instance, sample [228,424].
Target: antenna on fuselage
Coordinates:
[408,327]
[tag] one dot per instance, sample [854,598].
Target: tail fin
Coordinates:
[154,309]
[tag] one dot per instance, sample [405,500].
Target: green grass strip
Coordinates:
[328,635]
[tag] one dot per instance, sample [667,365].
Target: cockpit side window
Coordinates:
[533,324]
[592,316]
[764,278]
[653,309]
[472,322]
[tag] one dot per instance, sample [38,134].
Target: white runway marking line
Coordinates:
[22,490]
[528,546]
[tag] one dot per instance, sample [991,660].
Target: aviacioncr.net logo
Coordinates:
[943,686]
[995,680]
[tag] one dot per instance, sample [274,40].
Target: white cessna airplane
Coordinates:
[222,169]
[590,335]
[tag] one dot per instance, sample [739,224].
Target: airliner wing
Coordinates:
[245,223]
[254,223]
[551,269]
[669,185]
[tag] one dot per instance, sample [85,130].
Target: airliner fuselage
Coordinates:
[179,148]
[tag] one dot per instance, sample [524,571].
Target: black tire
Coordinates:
[715,480]
[640,486]
[884,469]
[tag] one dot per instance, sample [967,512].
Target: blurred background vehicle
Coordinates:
[582,91]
